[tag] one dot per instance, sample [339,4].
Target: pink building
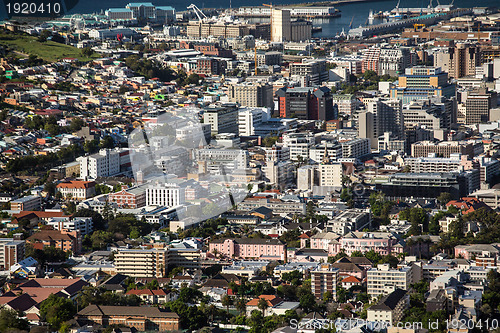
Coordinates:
[470,252]
[248,248]
[384,243]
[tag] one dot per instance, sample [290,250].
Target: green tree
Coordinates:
[76,124]
[227,302]
[107,142]
[262,306]
[9,320]
[444,198]
[56,310]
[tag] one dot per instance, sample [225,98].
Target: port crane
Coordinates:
[201,16]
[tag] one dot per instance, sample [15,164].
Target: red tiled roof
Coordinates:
[76,184]
[271,300]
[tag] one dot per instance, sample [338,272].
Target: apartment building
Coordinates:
[383,279]
[60,239]
[346,103]
[298,144]
[439,164]
[250,118]
[332,149]
[140,318]
[324,278]
[30,202]
[463,60]
[222,119]
[386,61]
[11,252]
[381,115]
[278,206]
[141,262]
[76,189]
[249,248]
[355,148]
[168,195]
[103,164]
[221,161]
[252,94]
[384,243]
[442,149]
[349,220]
[313,69]
[84,225]
[390,308]
[330,174]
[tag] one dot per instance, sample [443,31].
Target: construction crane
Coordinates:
[271,17]
[350,24]
[197,11]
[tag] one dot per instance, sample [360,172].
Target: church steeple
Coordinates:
[326,157]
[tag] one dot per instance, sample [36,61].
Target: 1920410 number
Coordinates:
[464,324]
[31,8]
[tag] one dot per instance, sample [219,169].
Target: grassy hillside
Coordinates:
[49,51]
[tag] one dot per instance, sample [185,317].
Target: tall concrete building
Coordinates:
[142,262]
[330,174]
[384,280]
[281,25]
[306,103]
[324,278]
[313,70]
[476,107]
[222,119]
[381,115]
[460,60]
[168,195]
[250,118]
[422,82]
[103,164]
[252,94]
[386,60]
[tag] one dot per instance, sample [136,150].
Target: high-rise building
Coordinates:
[426,114]
[250,118]
[381,115]
[324,278]
[462,60]
[330,174]
[476,107]
[313,70]
[281,25]
[11,252]
[222,119]
[422,82]
[284,30]
[386,60]
[252,94]
[384,280]
[306,103]
[299,144]
[103,164]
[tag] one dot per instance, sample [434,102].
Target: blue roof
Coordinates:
[138,4]
[165,8]
[119,10]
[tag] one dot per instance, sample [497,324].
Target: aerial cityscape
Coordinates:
[248,167]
